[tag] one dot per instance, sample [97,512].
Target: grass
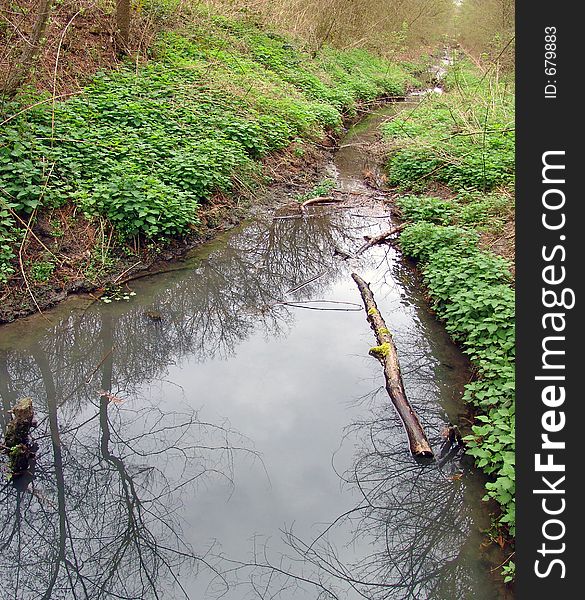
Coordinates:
[145,148]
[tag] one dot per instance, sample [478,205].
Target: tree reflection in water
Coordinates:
[100,518]
[420,522]
[101,514]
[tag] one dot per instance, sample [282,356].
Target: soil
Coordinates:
[78,42]
[502,243]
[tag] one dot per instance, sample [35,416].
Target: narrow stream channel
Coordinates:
[224,433]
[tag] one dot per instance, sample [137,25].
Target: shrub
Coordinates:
[141,204]
[471,293]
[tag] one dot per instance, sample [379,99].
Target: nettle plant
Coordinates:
[141,204]
[471,294]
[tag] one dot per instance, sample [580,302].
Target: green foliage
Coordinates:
[146,147]
[489,211]
[141,204]
[424,239]
[471,293]
[509,572]
[7,238]
[468,209]
[25,165]
[323,188]
[41,270]
[464,139]
[433,210]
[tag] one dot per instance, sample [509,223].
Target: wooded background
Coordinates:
[56,44]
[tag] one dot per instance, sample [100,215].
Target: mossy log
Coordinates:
[17,440]
[386,353]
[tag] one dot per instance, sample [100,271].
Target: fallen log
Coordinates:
[378,239]
[386,353]
[366,194]
[17,441]
[320,200]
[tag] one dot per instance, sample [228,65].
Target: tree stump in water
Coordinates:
[17,440]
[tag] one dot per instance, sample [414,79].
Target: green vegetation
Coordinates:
[471,292]
[462,143]
[489,212]
[41,271]
[146,147]
[464,139]
[323,188]
[8,236]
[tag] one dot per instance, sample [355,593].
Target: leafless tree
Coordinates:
[28,47]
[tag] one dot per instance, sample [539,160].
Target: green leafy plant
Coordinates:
[41,270]
[8,236]
[509,572]
[323,188]
[471,293]
[433,210]
[138,204]
[146,148]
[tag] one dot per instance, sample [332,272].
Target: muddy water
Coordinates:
[224,433]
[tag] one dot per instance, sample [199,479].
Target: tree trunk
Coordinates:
[386,353]
[17,442]
[320,200]
[23,65]
[122,25]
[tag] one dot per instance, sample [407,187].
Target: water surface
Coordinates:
[224,433]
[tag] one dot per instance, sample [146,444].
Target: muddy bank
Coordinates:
[93,263]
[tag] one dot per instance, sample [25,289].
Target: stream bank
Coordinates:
[234,400]
[150,157]
[451,160]
[109,269]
